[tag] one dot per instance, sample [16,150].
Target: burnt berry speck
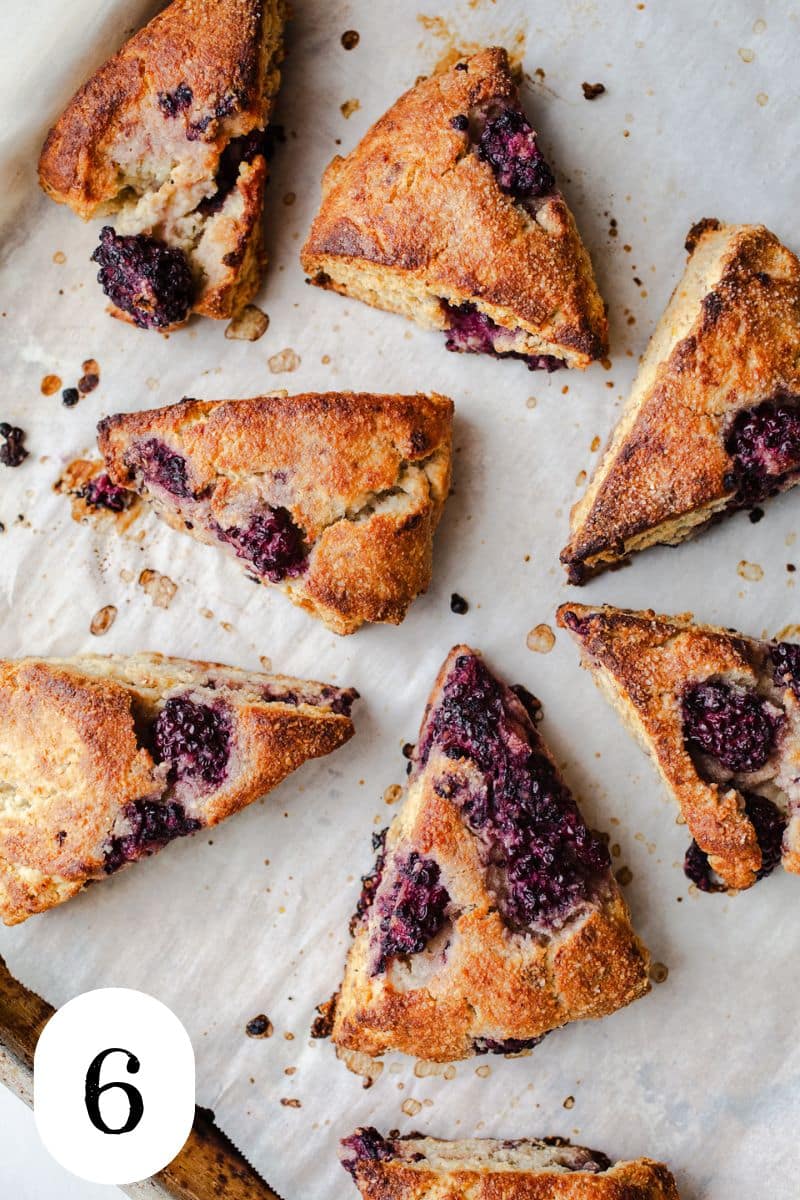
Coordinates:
[12,453]
[460,122]
[366,1144]
[271,542]
[471,331]
[458,604]
[70,397]
[764,443]
[194,739]
[545,860]
[152,825]
[87,383]
[412,910]
[508,144]
[172,103]
[145,278]
[100,492]
[161,466]
[785,658]
[732,725]
[507,1046]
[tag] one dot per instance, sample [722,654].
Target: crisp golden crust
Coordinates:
[729,339]
[643,662]
[144,136]
[365,477]
[76,754]
[491,983]
[411,217]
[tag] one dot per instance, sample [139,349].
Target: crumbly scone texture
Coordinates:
[489,983]
[728,340]
[364,476]
[75,754]
[143,138]
[412,217]
[642,662]
[489,1169]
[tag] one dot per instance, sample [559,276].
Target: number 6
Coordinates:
[94,1091]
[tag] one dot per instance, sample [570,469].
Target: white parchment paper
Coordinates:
[699,119]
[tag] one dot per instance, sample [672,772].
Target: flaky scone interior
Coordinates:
[712,425]
[106,759]
[720,714]
[334,498]
[448,213]
[491,915]
[484,1168]
[169,137]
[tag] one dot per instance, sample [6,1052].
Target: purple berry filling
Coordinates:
[769,824]
[100,492]
[786,665]
[764,443]
[338,700]
[365,1144]
[145,278]
[172,103]
[12,453]
[412,910]
[507,1046]
[371,882]
[734,726]
[152,825]
[238,150]
[271,542]
[533,835]
[194,739]
[508,144]
[161,466]
[473,332]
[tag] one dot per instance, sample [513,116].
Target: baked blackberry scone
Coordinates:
[491,915]
[169,136]
[447,212]
[712,424]
[426,1168]
[720,714]
[333,497]
[105,759]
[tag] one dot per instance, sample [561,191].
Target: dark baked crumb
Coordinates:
[458,604]
[12,453]
[350,39]
[152,825]
[259,1027]
[70,397]
[322,1025]
[145,278]
[194,739]
[507,1046]
[592,90]
[755,515]
[732,725]
[87,383]
[785,658]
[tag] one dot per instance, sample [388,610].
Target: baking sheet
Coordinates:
[699,119]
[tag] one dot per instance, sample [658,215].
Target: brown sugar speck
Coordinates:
[592,90]
[350,39]
[160,588]
[541,639]
[349,107]
[658,972]
[103,620]
[50,385]
[284,361]
[290,1102]
[569,1102]
[259,1027]
[90,367]
[595,446]
[623,876]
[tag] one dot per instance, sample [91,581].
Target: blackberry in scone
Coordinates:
[448,213]
[106,759]
[384,1168]
[334,498]
[720,715]
[491,915]
[169,137]
[712,424]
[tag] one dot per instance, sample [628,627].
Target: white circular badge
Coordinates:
[113,1085]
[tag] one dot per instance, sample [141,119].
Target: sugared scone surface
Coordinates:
[425,1168]
[424,217]
[713,420]
[491,916]
[335,497]
[107,758]
[720,714]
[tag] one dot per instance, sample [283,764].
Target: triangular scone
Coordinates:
[105,759]
[334,497]
[491,915]
[169,136]
[427,1168]
[447,212]
[713,421]
[720,715]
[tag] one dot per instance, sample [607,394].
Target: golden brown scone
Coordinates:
[104,759]
[712,423]
[447,213]
[333,496]
[491,916]
[169,135]
[720,715]
[425,1168]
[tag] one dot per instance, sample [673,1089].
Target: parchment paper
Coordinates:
[699,119]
